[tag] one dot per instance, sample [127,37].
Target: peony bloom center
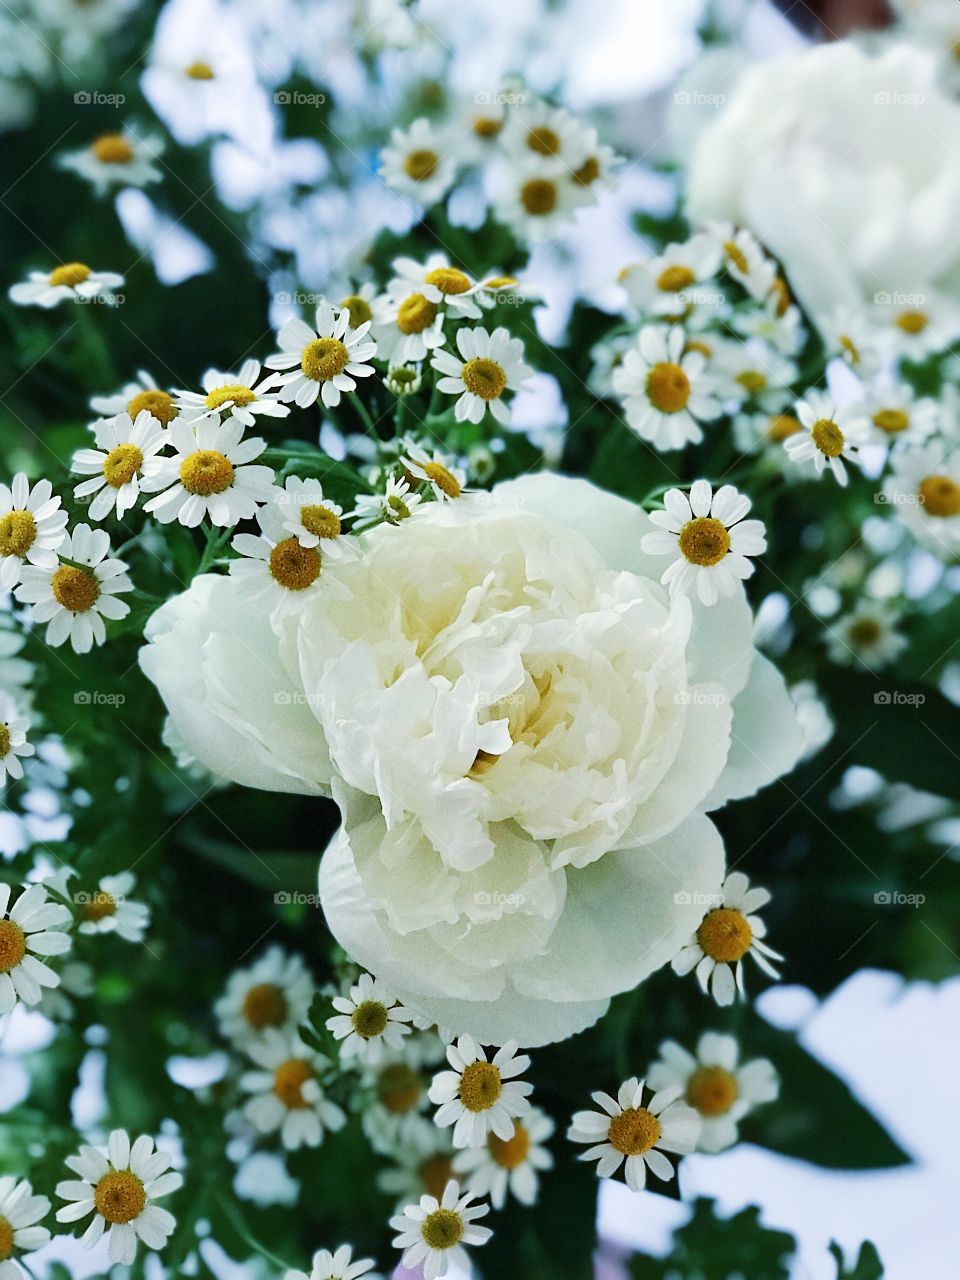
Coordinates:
[539,196]
[70,274]
[544,141]
[415,314]
[120,1196]
[704,541]
[234,392]
[18,529]
[668,387]
[13,945]
[892,421]
[369,1019]
[485,378]
[158,403]
[76,589]
[448,280]
[828,437]
[940,496]
[420,165]
[480,1086]
[112,148]
[634,1131]
[673,279]
[442,1229]
[206,472]
[359,309]
[725,935]
[99,906]
[288,1081]
[399,1088]
[264,1006]
[509,1153]
[712,1091]
[324,358]
[293,566]
[122,464]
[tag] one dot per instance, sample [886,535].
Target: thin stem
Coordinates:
[238,1224]
[368,423]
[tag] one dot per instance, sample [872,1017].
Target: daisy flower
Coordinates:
[276,570]
[119,1188]
[727,933]
[368,1021]
[625,1132]
[395,504]
[324,362]
[275,992]
[920,325]
[13,739]
[109,909]
[743,257]
[72,280]
[852,337]
[74,598]
[233,395]
[606,356]
[395,1116]
[667,286]
[32,528]
[777,321]
[310,517]
[116,160]
[287,1095]
[894,414]
[665,392]
[361,304]
[20,1211]
[478,1097]
[434,1233]
[423,1166]
[708,539]
[407,327]
[720,1088]
[924,490]
[513,1165]
[439,282]
[534,201]
[31,927]
[403,380]
[126,454]
[134,397]
[336,1266]
[868,635]
[418,164]
[491,365]
[550,135]
[209,475]
[436,469]
[755,375]
[830,434]
[596,172]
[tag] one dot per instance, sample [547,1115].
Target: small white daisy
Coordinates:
[513,1165]
[74,598]
[534,201]
[407,327]
[708,538]
[275,992]
[31,927]
[492,364]
[895,415]
[552,136]
[209,475]
[395,1117]
[727,933]
[20,1211]
[434,1233]
[72,280]
[437,470]
[479,1097]
[720,1088]
[672,285]
[439,282]
[13,740]
[110,909]
[418,163]
[116,160]
[777,320]
[32,528]
[743,256]
[134,397]
[233,395]
[665,391]
[275,569]
[403,380]
[923,488]
[918,327]
[288,1097]
[336,1266]
[395,504]
[119,1188]
[596,173]
[754,375]
[852,337]
[368,1021]
[867,636]
[311,517]
[324,362]
[625,1132]
[830,434]
[127,452]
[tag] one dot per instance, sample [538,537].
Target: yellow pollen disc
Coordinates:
[17,532]
[724,935]
[544,141]
[369,1019]
[783,425]
[704,540]
[864,632]
[288,1080]
[485,378]
[435,1173]
[112,148]
[448,280]
[480,1086]
[850,349]
[99,906]
[265,1006]
[697,344]
[6,1240]
[443,479]
[415,314]
[668,387]
[293,566]
[235,392]
[712,1091]
[420,165]
[442,1229]
[71,273]
[122,464]
[828,437]
[397,507]
[120,1196]
[912,321]
[634,1131]
[752,381]
[206,472]
[159,403]
[892,421]
[486,126]
[4,739]
[320,521]
[539,196]
[512,1152]
[588,172]
[782,294]
[199,71]
[399,1088]
[13,945]
[359,309]
[500,282]
[324,358]
[76,589]
[673,279]
[736,256]
[940,496]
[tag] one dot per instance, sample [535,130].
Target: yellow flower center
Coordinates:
[320,521]
[265,1005]
[634,1131]
[120,1196]
[752,381]
[864,632]
[18,529]
[4,739]
[892,421]
[435,1173]
[359,308]
[76,589]
[6,1240]
[399,1088]
[544,141]
[442,1229]
[712,1091]
[704,540]
[112,148]
[448,280]
[724,935]
[539,196]
[158,403]
[122,464]
[293,566]
[415,314]
[324,358]
[199,71]
[480,1086]
[588,172]
[99,906]
[697,344]
[486,126]
[13,945]
[444,479]
[513,1151]
[369,1019]
[673,279]
[782,294]
[206,472]
[668,387]
[234,392]
[288,1081]
[828,437]
[912,322]
[71,274]
[485,378]
[736,256]
[783,425]
[850,349]
[420,165]
[940,496]
[500,282]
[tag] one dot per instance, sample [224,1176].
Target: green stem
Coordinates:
[238,1224]
[368,423]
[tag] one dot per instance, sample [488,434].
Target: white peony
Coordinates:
[523,732]
[842,163]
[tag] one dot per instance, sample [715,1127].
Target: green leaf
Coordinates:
[712,1248]
[867,1266]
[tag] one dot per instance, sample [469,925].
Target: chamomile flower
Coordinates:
[13,739]
[671,285]
[134,397]
[397,503]
[110,909]
[119,1188]
[20,1212]
[479,1097]
[596,172]
[510,1166]
[116,160]
[324,362]
[777,321]
[923,489]
[720,1088]
[755,375]
[233,395]
[744,258]
[727,933]
[852,337]
[209,475]
[920,325]
[336,1266]
[360,304]
[418,163]
[368,1021]
[434,1233]
[287,1096]
[311,517]
[74,598]
[32,528]
[708,538]
[407,327]
[403,380]
[894,414]
[32,927]
[665,390]
[274,992]
[627,1132]
[492,364]
[436,469]
[607,356]
[551,136]
[423,1165]
[73,280]
[395,1117]
[830,435]
[439,282]
[534,201]
[867,636]
[126,455]
[276,571]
